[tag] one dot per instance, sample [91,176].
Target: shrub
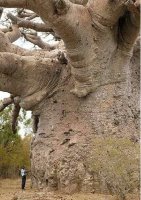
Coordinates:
[116,163]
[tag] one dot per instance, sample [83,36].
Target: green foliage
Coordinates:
[14,151]
[116,164]
[6,135]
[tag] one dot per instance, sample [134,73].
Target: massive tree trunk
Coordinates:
[95,95]
[63,146]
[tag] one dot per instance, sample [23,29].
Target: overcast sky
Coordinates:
[3,95]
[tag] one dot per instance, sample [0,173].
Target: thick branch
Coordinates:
[36,40]
[29,16]
[65,24]
[40,27]
[73,23]
[13,3]
[15,114]
[13,35]
[7,46]
[106,12]
[33,16]
[31,78]
[6,102]
[129,27]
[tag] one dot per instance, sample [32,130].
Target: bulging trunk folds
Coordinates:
[99,38]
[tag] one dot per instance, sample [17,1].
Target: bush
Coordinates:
[116,164]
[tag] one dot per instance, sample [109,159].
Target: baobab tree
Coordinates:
[84,87]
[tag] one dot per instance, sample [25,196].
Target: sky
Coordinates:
[3,95]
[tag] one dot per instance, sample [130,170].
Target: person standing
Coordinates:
[23,175]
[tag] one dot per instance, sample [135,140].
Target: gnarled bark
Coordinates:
[99,38]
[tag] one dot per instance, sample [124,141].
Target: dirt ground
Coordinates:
[10,190]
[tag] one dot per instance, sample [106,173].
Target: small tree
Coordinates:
[14,151]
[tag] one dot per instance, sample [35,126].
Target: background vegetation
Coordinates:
[116,165]
[14,150]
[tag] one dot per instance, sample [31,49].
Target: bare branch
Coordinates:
[1,11]
[33,16]
[35,122]
[25,14]
[7,46]
[15,114]
[36,40]
[40,27]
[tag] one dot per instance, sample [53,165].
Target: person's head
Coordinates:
[23,167]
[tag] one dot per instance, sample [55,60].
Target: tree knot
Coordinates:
[61,7]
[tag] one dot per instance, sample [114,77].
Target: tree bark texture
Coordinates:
[94,94]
